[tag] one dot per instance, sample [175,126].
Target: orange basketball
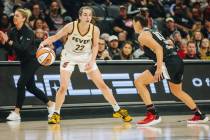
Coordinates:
[45,56]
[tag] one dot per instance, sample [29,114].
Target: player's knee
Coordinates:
[138,83]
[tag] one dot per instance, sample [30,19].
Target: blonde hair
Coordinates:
[26,13]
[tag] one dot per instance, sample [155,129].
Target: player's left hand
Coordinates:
[89,65]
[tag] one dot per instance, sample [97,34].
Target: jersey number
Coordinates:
[79,47]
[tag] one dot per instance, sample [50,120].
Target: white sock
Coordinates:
[116,107]
[57,110]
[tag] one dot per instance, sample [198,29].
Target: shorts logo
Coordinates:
[65,64]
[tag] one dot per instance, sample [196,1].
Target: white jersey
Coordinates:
[77,49]
[79,44]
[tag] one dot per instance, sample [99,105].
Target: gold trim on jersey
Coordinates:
[80,32]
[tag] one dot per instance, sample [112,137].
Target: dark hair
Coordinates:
[35,21]
[190,42]
[142,20]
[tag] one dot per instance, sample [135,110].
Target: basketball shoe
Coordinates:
[54,119]
[149,120]
[123,113]
[196,119]
[13,116]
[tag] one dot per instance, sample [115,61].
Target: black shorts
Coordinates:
[174,68]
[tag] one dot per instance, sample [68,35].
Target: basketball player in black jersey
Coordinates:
[168,65]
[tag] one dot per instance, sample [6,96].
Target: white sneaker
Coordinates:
[13,116]
[51,109]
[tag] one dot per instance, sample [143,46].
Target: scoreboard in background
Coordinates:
[119,76]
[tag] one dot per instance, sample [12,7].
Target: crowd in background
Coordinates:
[185,22]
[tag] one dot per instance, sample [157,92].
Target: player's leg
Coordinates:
[177,91]
[22,81]
[141,82]
[96,77]
[65,75]
[31,87]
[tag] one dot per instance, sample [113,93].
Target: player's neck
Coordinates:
[19,26]
[83,25]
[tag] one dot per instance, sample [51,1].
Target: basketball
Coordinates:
[45,56]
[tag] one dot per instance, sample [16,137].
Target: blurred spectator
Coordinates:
[206,12]
[197,37]
[191,51]
[178,3]
[39,23]
[4,23]
[197,26]
[103,53]
[72,7]
[156,8]
[113,49]
[133,7]
[206,29]
[67,19]
[8,6]
[122,37]
[54,18]
[123,23]
[139,54]
[126,51]
[196,11]
[182,15]
[105,36]
[171,27]
[177,39]
[183,49]
[39,34]
[204,52]
[35,14]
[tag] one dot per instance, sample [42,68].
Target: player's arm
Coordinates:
[146,40]
[96,35]
[64,31]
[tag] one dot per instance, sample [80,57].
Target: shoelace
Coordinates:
[53,116]
[123,112]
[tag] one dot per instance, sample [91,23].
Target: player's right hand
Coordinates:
[158,74]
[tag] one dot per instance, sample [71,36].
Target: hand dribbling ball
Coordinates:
[45,56]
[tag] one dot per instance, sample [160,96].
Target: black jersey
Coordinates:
[163,43]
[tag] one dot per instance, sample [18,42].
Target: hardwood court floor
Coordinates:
[172,127]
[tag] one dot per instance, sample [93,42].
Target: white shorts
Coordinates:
[69,60]
[69,66]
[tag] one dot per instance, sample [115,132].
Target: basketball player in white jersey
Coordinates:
[81,49]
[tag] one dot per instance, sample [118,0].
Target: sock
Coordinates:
[151,108]
[57,110]
[116,107]
[196,111]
